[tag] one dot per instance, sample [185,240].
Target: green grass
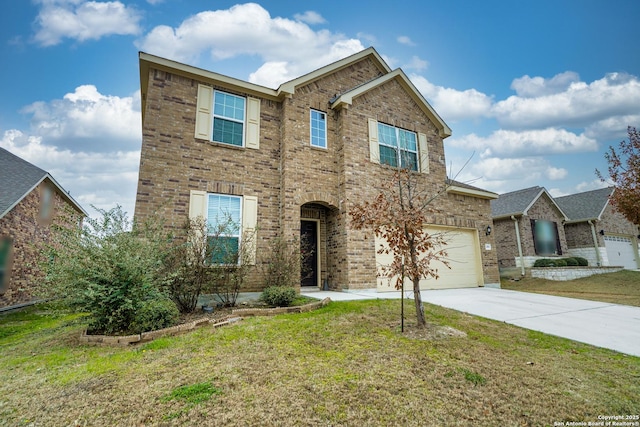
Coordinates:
[344,364]
[622,287]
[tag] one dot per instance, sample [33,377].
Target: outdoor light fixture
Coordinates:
[488,230]
[602,232]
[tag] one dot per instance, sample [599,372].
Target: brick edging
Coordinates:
[236,316]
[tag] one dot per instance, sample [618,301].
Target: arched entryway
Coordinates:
[317,244]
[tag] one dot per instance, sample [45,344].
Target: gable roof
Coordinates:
[585,206]
[519,202]
[288,88]
[346,99]
[19,178]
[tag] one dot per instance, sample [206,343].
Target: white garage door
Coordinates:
[463,254]
[620,251]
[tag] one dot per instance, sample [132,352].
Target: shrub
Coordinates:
[279,296]
[282,264]
[582,262]
[542,262]
[571,262]
[560,262]
[155,314]
[106,268]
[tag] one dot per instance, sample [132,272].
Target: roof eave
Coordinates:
[346,99]
[288,88]
[148,61]
[64,194]
[481,194]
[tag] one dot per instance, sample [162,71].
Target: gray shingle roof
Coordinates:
[514,203]
[585,206]
[17,178]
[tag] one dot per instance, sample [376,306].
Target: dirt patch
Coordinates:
[432,332]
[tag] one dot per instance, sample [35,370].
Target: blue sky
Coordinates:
[534,91]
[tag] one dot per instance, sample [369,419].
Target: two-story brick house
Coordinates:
[292,161]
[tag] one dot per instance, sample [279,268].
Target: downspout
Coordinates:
[515,223]
[595,242]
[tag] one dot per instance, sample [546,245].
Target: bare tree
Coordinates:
[398,215]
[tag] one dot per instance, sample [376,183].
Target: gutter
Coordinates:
[595,242]
[515,223]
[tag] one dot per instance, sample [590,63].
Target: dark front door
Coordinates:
[309,253]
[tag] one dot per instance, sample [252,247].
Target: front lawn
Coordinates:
[345,364]
[622,287]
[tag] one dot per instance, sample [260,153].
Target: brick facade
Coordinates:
[28,229]
[292,179]
[506,241]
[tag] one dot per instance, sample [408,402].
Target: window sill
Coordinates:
[222,144]
[322,149]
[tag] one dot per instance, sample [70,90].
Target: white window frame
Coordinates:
[312,138]
[397,147]
[230,119]
[239,223]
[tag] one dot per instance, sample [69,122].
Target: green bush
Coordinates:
[155,314]
[582,262]
[279,296]
[560,262]
[571,262]
[107,268]
[543,262]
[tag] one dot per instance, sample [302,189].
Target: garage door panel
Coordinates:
[463,256]
[620,251]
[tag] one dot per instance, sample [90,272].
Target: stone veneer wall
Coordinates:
[570,273]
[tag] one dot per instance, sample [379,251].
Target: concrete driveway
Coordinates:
[612,326]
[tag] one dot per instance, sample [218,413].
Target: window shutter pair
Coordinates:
[374,147]
[204,118]
[198,208]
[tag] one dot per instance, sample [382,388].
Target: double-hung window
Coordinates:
[228,118]
[398,147]
[224,220]
[318,129]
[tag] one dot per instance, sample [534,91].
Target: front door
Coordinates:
[309,253]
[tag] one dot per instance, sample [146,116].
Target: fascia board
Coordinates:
[544,191]
[288,88]
[148,61]
[470,192]
[347,98]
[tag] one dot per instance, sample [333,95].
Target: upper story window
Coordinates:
[318,129]
[228,118]
[398,147]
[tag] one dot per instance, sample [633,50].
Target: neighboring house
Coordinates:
[530,224]
[31,202]
[291,162]
[597,232]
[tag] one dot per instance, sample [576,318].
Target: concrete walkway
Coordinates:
[612,326]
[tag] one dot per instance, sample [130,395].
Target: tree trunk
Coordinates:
[417,299]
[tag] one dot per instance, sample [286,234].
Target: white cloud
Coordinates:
[579,105]
[289,48]
[507,143]
[416,64]
[310,17]
[452,104]
[613,127]
[405,40]
[533,87]
[90,177]
[88,120]
[83,20]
